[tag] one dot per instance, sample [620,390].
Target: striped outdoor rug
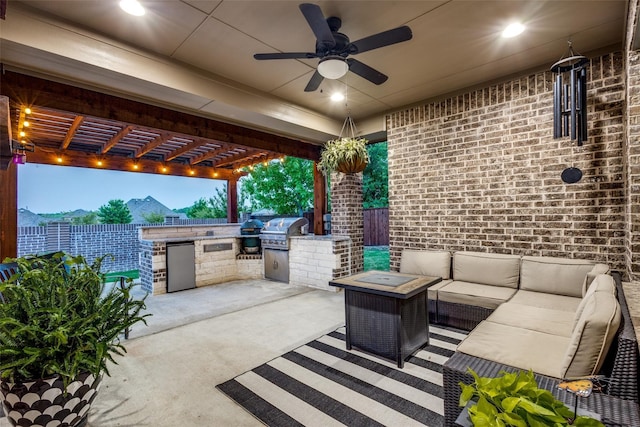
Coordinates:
[322,384]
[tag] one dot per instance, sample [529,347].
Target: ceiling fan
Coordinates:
[333,49]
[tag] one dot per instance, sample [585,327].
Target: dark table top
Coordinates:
[388,283]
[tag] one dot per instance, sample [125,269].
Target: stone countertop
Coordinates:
[328,237]
[632,295]
[192,238]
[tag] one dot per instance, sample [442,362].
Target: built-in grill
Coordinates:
[275,245]
[250,236]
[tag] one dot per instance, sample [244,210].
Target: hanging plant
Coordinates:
[346,155]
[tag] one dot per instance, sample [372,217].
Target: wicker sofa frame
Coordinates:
[461,316]
[618,403]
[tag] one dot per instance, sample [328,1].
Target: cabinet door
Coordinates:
[276,265]
[181,267]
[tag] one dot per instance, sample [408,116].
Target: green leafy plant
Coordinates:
[514,399]
[58,318]
[344,150]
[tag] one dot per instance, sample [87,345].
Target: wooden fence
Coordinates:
[376,227]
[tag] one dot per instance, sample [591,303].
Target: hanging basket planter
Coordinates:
[354,165]
[346,154]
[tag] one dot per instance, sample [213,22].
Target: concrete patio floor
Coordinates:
[199,338]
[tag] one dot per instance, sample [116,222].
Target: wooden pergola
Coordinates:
[73,126]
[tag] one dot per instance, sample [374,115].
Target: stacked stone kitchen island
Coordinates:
[314,260]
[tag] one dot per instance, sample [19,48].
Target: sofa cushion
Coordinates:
[551,301]
[432,291]
[595,272]
[560,276]
[602,283]
[592,335]
[518,347]
[554,322]
[486,268]
[487,296]
[426,263]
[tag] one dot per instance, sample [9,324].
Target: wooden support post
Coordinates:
[9,212]
[232,201]
[8,187]
[319,200]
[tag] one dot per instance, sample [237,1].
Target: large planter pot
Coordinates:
[43,402]
[352,166]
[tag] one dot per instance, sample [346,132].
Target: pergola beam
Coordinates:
[71,132]
[125,164]
[28,90]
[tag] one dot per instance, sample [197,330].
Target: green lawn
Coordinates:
[376,258]
[112,277]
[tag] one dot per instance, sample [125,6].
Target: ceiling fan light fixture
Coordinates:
[333,67]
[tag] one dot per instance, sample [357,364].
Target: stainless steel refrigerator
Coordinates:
[181,266]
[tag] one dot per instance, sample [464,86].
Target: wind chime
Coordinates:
[570,103]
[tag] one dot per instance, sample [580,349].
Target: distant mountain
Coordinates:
[140,208]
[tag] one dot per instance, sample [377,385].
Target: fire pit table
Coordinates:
[386,312]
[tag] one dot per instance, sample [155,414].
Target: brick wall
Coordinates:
[347,214]
[91,241]
[118,240]
[632,154]
[31,240]
[314,261]
[481,171]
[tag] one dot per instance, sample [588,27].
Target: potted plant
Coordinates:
[59,326]
[514,399]
[346,155]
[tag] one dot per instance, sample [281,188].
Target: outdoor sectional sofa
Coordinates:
[562,318]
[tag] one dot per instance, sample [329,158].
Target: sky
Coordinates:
[52,189]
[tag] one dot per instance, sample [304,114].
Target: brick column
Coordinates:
[632,127]
[58,237]
[346,214]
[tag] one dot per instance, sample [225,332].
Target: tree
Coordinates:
[375,182]
[213,207]
[153,217]
[286,186]
[90,218]
[114,212]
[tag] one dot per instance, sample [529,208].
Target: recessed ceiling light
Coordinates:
[337,97]
[132,7]
[513,30]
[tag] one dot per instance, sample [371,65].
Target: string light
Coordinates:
[192,172]
[59,159]
[22,134]
[215,174]
[135,165]
[164,169]
[99,162]
[27,110]
[25,124]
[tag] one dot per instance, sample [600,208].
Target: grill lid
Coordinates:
[251,227]
[287,226]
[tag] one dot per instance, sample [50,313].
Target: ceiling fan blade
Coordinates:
[314,82]
[382,39]
[318,24]
[364,71]
[285,55]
